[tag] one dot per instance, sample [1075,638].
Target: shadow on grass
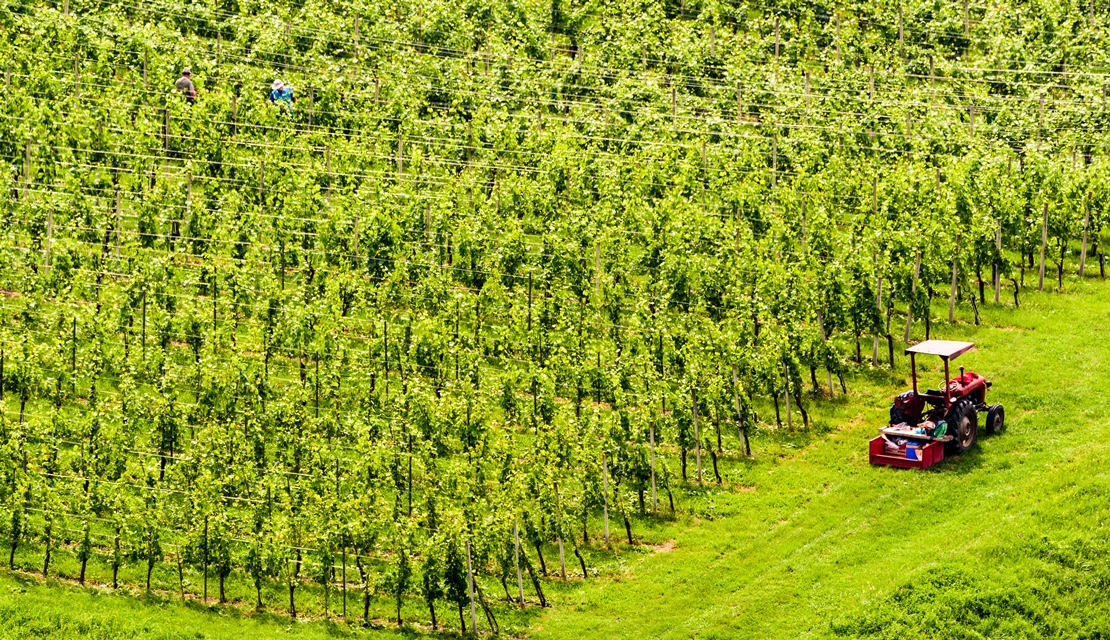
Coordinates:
[881,376]
[964,463]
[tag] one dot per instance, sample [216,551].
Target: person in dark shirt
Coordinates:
[185,85]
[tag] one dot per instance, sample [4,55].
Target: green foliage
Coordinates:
[489,244]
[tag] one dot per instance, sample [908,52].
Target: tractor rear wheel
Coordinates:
[996,419]
[963,424]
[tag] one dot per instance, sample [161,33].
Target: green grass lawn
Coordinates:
[1008,541]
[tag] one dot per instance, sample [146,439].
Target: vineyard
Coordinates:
[510,289]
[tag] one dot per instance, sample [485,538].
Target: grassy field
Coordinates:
[1009,541]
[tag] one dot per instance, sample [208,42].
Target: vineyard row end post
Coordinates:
[697,430]
[470,589]
[1044,243]
[651,439]
[952,295]
[913,295]
[516,559]
[1086,224]
[786,382]
[605,494]
[997,263]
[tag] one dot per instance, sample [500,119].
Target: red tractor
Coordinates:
[958,404]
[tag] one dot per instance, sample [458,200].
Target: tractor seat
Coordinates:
[932,395]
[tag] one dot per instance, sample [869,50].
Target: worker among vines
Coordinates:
[282,95]
[185,85]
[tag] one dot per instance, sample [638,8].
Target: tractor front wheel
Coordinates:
[996,419]
[963,424]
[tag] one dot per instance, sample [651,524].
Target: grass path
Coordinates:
[827,545]
[1011,540]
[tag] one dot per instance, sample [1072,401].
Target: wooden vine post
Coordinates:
[559,533]
[597,272]
[651,439]
[697,430]
[26,166]
[215,298]
[952,295]
[354,242]
[913,295]
[188,196]
[470,588]
[49,237]
[901,34]
[469,144]
[879,308]
[516,559]
[775,69]
[824,339]
[1040,116]
[774,157]
[400,156]
[1044,243]
[118,227]
[739,104]
[1086,224]
[73,355]
[998,257]
[205,559]
[786,383]
[605,494]
[344,577]
[739,414]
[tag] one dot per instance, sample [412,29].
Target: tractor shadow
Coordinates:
[963,463]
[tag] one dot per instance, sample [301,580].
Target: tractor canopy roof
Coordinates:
[946,349]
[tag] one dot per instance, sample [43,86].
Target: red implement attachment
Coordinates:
[927,455]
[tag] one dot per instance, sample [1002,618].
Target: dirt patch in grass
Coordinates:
[666,547]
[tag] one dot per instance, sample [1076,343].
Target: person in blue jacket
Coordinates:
[282,95]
